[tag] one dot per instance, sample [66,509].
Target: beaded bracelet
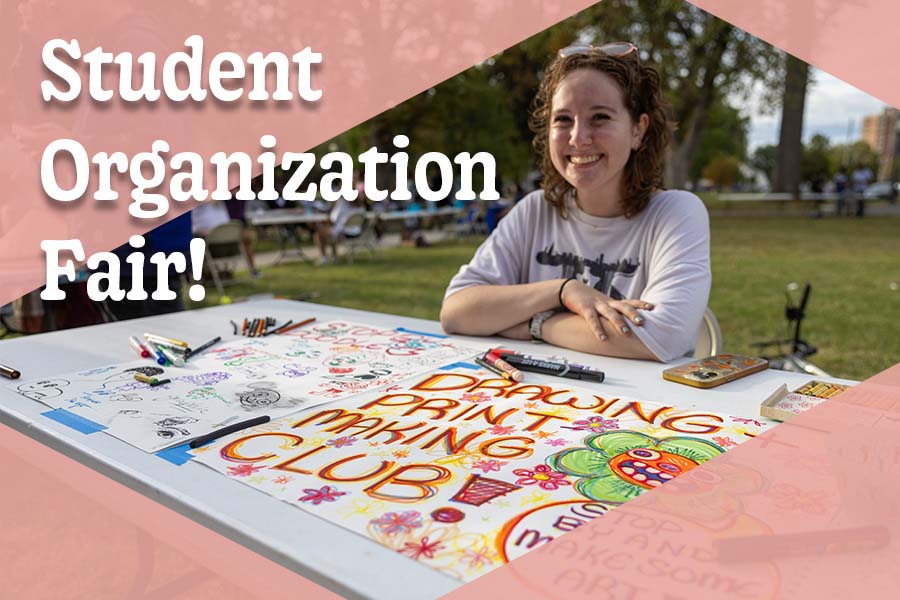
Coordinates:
[561,288]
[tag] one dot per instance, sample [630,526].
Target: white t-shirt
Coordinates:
[340,213]
[660,256]
[209,215]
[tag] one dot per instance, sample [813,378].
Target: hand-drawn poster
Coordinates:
[463,471]
[274,376]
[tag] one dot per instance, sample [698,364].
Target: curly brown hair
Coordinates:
[640,85]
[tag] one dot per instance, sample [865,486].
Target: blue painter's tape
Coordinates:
[460,365]
[413,331]
[177,455]
[76,422]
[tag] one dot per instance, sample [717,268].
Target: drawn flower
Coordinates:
[400,453]
[544,434]
[616,466]
[791,498]
[478,559]
[502,430]
[421,548]
[595,424]
[488,465]
[476,397]
[243,470]
[543,476]
[392,523]
[746,421]
[724,441]
[341,441]
[282,480]
[326,493]
[556,442]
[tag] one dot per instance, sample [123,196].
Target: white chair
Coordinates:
[365,239]
[709,336]
[224,253]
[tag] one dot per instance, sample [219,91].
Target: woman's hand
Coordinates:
[603,314]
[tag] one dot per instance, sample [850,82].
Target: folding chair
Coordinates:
[224,253]
[365,239]
[709,336]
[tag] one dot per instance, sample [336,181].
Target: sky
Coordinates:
[832,107]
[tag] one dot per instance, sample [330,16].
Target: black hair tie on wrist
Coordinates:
[561,288]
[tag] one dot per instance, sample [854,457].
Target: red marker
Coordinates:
[501,364]
[138,347]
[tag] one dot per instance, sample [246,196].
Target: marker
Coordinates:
[9,372]
[234,327]
[493,369]
[160,358]
[205,439]
[251,330]
[259,327]
[208,344]
[138,347]
[160,382]
[145,378]
[546,367]
[287,328]
[277,329]
[172,357]
[501,364]
[164,340]
[244,327]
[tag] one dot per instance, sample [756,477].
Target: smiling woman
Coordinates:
[602,259]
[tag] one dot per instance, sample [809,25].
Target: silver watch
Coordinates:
[537,322]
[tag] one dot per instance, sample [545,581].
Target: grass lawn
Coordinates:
[853,315]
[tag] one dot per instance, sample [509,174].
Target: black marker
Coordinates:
[159,382]
[544,367]
[205,439]
[203,347]
[9,372]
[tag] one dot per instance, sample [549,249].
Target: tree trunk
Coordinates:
[786,174]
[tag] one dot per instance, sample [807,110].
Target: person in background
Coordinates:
[602,259]
[328,233]
[862,177]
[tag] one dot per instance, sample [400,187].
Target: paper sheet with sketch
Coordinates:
[464,472]
[274,376]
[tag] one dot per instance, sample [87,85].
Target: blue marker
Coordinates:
[160,359]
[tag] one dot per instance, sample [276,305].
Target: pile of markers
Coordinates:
[509,365]
[165,350]
[266,326]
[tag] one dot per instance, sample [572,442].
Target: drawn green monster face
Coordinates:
[617,466]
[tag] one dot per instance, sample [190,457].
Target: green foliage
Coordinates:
[763,159]
[851,156]
[724,135]
[815,163]
[723,171]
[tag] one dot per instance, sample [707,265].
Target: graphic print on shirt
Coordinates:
[583,268]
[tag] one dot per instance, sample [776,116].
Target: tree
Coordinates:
[763,159]
[787,172]
[723,171]
[815,166]
[725,135]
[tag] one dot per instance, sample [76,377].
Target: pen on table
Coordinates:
[205,346]
[234,327]
[546,367]
[138,347]
[145,378]
[251,329]
[205,439]
[295,326]
[159,339]
[159,356]
[172,357]
[501,364]
[160,382]
[277,329]
[244,327]
[493,369]
[9,372]
[260,326]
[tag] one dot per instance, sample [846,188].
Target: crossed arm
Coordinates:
[597,324]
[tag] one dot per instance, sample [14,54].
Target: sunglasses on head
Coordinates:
[613,49]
